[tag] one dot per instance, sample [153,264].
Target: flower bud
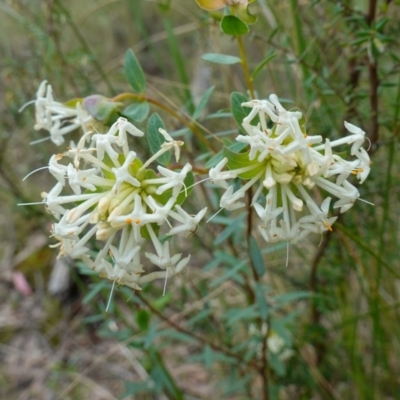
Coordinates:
[102,109]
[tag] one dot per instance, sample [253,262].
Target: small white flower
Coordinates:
[171,143]
[56,117]
[104,144]
[228,200]
[122,173]
[78,178]
[59,171]
[218,177]
[173,180]
[189,222]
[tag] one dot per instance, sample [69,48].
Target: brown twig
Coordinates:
[198,338]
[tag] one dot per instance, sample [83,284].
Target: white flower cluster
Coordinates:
[286,163]
[57,118]
[120,203]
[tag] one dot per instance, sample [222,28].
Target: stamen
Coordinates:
[214,215]
[40,140]
[109,299]
[38,169]
[31,204]
[26,105]
[165,283]
[365,201]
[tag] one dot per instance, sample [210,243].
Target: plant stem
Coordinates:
[374,83]
[264,368]
[191,126]
[247,76]
[202,340]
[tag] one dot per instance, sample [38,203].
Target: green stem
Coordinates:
[247,76]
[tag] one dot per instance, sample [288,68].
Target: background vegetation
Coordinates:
[325,327]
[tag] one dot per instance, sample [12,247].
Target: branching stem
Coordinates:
[191,126]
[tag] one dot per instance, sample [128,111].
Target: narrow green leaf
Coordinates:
[221,58]
[261,302]
[155,138]
[201,315]
[234,315]
[208,357]
[95,289]
[239,112]
[256,257]
[203,102]
[230,274]
[133,72]
[263,63]
[231,25]
[137,112]
[142,319]
[287,298]
[229,230]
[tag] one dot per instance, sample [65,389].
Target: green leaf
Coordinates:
[256,257]
[160,303]
[95,289]
[142,319]
[231,25]
[261,302]
[133,72]
[155,138]
[233,315]
[287,298]
[137,112]
[180,336]
[220,58]
[239,112]
[240,160]
[263,63]
[208,357]
[203,102]
[216,158]
[229,230]
[200,316]
[229,274]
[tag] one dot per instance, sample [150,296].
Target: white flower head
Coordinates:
[285,162]
[171,143]
[106,198]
